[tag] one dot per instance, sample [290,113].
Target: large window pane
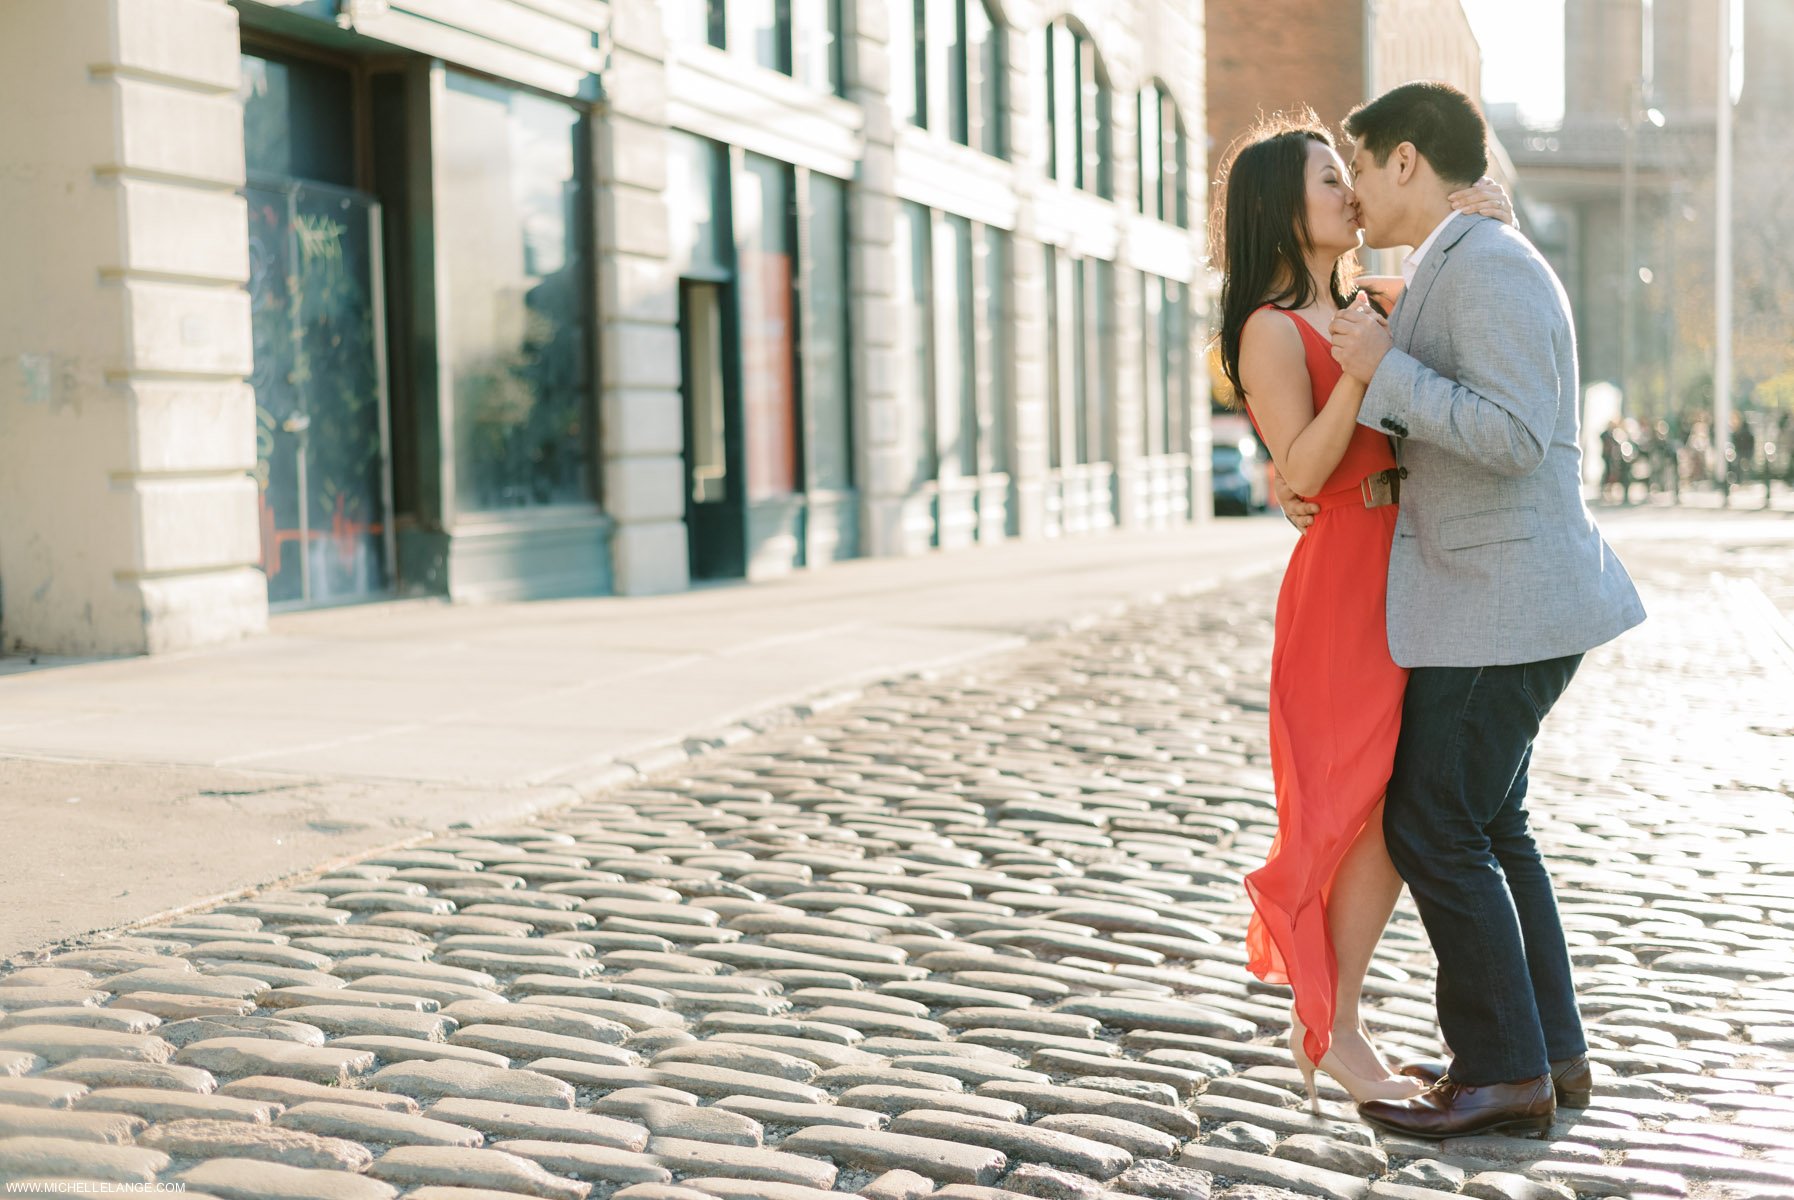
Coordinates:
[1102,388]
[697,206]
[510,169]
[984,57]
[768,347]
[827,349]
[915,305]
[761,29]
[996,316]
[1056,348]
[1174,342]
[816,37]
[909,61]
[959,407]
[1064,105]
[959,110]
[1177,170]
[1152,369]
[1151,156]
[1096,167]
[1081,360]
[695,22]
[296,121]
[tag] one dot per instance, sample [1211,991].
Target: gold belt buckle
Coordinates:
[1380,489]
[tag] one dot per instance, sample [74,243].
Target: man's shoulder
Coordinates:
[1488,240]
[1494,253]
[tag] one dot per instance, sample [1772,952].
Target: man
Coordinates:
[1498,583]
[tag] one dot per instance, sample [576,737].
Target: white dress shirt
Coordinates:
[1411,264]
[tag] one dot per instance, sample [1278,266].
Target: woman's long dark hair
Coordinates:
[1261,232]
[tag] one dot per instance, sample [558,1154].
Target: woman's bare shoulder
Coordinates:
[1270,337]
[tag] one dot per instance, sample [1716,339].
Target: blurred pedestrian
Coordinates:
[1613,459]
[1744,449]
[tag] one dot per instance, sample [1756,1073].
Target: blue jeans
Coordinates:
[1455,823]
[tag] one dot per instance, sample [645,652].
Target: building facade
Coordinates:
[320,301]
[1269,56]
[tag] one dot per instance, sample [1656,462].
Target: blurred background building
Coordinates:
[315,301]
[1620,195]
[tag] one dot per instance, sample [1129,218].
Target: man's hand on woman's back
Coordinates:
[1299,512]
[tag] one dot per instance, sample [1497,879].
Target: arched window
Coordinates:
[975,78]
[1079,112]
[1163,157]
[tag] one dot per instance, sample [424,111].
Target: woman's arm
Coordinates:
[1306,446]
[1486,198]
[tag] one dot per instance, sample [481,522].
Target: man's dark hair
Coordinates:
[1441,122]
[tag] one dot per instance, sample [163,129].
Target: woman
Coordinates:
[1289,231]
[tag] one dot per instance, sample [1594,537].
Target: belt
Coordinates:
[1381,488]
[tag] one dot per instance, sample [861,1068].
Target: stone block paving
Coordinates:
[972,937]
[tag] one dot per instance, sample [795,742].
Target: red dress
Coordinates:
[1336,702]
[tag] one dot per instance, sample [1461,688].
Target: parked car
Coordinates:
[1233,490]
[1239,467]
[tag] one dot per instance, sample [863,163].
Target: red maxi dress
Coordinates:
[1336,701]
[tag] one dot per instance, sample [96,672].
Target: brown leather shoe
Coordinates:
[1573,1078]
[1449,1109]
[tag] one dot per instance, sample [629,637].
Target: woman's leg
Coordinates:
[1363,897]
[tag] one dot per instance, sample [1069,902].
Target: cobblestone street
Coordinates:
[971,936]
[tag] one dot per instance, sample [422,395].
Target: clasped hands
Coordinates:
[1360,339]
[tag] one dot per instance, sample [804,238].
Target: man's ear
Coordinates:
[1407,162]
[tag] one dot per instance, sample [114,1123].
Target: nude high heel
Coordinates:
[1357,1086]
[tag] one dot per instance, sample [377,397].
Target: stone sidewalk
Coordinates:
[973,936]
[353,729]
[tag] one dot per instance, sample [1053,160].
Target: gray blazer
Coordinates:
[1496,559]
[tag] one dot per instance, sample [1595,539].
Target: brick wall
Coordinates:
[1267,55]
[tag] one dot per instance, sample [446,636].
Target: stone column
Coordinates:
[1025,55]
[642,419]
[884,466]
[127,430]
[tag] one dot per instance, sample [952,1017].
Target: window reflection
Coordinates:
[763,235]
[508,182]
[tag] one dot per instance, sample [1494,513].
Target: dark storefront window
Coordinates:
[510,169]
[298,120]
[314,289]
